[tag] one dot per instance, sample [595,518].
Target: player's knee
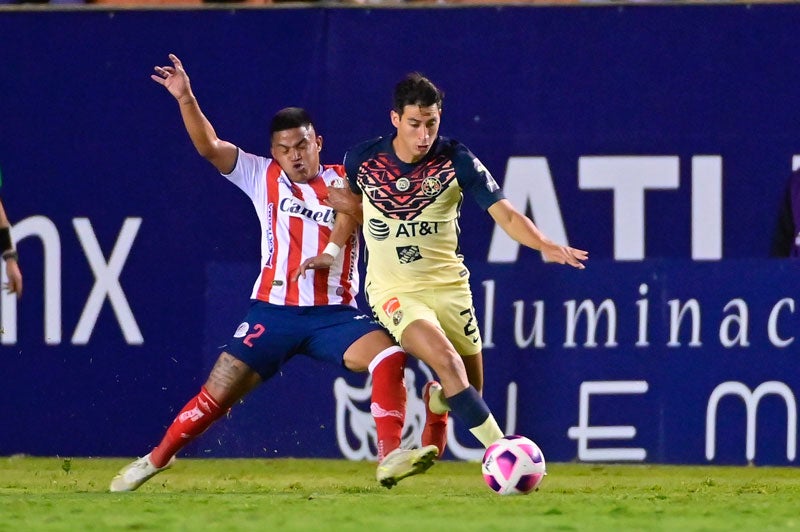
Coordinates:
[357,358]
[450,364]
[354,364]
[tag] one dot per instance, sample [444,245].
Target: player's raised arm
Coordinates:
[523,230]
[220,153]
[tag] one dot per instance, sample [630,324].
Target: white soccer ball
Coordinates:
[513,465]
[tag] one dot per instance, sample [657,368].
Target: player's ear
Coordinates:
[395,117]
[319,143]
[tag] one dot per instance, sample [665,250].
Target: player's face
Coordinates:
[417,129]
[297,151]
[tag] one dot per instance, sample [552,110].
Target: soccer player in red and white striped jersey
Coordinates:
[295,224]
[313,315]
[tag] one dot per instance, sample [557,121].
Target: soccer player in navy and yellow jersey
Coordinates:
[412,186]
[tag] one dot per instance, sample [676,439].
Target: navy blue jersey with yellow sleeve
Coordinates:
[411,211]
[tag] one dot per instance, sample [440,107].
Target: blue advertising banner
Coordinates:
[666,361]
[630,131]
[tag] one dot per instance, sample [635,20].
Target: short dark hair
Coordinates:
[289,118]
[416,89]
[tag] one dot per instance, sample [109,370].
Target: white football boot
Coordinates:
[402,463]
[137,473]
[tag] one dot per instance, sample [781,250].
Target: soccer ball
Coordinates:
[513,465]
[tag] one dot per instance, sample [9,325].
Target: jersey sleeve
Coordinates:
[351,163]
[476,179]
[248,173]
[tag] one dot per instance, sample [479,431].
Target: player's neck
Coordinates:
[404,155]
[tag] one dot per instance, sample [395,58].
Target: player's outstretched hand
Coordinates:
[14,285]
[174,78]
[320,262]
[565,255]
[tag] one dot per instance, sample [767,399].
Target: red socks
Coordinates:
[388,398]
[435,431]
[198,414]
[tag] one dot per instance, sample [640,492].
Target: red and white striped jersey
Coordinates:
[296,225]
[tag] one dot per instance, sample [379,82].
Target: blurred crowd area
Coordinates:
[147,3]
[179,3]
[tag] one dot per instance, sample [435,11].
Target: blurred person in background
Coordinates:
[786,240]
[10,255]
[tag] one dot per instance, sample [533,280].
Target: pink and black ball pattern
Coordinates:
[513,465]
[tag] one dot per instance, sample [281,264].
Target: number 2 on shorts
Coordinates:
[469,327]
[258,330]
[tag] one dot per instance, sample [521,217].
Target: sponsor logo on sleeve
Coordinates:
[491,184]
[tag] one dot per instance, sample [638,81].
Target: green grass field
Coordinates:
[289,494]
